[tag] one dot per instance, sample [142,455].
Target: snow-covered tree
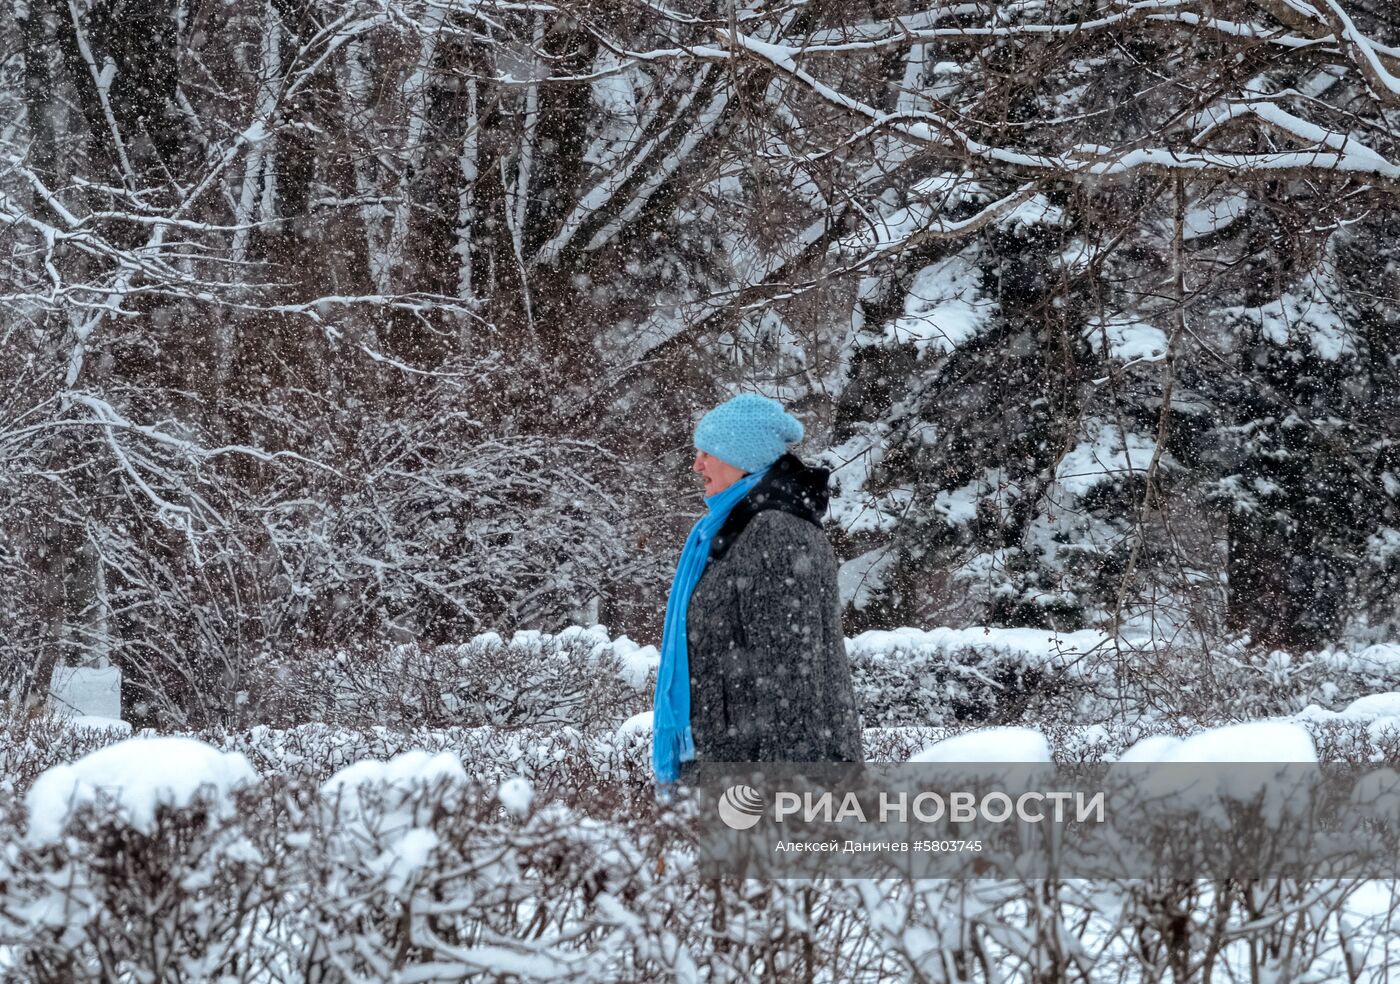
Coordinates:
[322,315]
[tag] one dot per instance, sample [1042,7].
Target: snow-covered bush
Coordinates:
[406,864]
[586,679]
[580,677]
[911,684]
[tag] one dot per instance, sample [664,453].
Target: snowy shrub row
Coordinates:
[1006,676]
[585,678]
[561,761]
[578,677]
[411,868]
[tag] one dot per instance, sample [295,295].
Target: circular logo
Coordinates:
[741,807]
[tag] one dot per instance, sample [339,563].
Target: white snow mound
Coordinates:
[409,768]
[515,795]
[374,800]
[135,776]
[988,745]
[1374,706]
[636,724]
[1253,741]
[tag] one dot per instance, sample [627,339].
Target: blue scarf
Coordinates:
[671,740]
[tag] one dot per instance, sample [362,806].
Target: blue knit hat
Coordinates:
[749,432]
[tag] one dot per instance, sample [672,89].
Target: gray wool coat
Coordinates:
[769,676]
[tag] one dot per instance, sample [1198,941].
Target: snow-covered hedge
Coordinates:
[413,865]
[487,810]
[579,677]
[586,678]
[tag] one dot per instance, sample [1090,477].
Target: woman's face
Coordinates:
[718,475]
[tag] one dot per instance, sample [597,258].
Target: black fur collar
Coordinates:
[790,486]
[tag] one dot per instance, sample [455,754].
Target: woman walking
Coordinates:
[753,659]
